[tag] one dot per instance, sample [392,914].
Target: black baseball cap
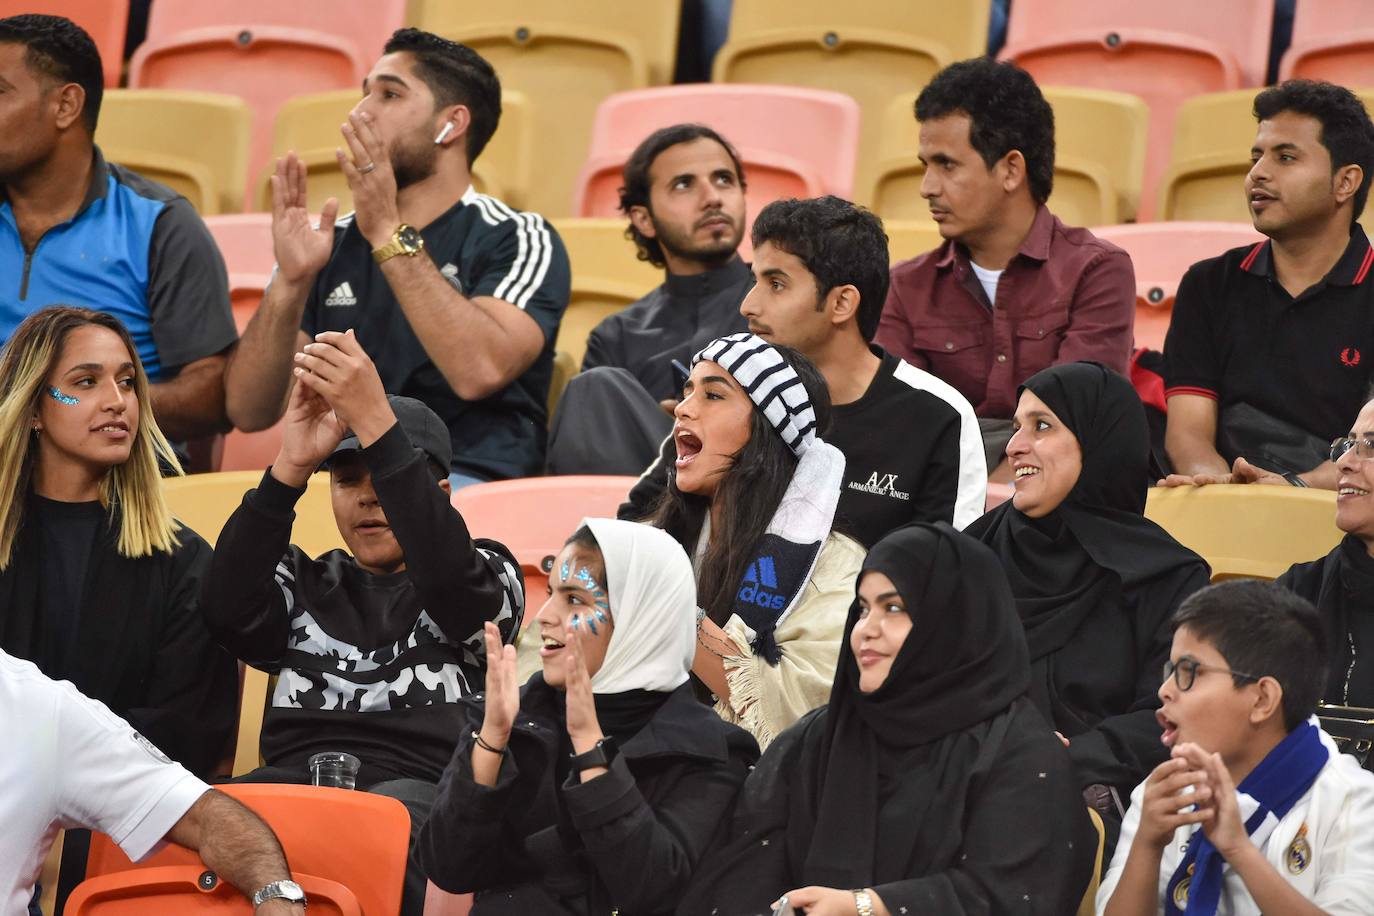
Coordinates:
[422,427]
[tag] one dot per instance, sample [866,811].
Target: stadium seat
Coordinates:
[906,238]
[1100,140]
[49,875]
[534,516]
[309,126]
[564,368]
[245,451]
[245,240]
[873,51]
[194,142]
[253,693]
[1159,52]
[204,503]
[565,58]
[245,295]
[105,20]
[1250,530]
[1162,254]
[773,128]
[350,846]
[1210,157]
[1333,40]
[1088,905]
[998,493]
[263,50]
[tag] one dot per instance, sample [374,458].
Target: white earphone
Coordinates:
[443,133]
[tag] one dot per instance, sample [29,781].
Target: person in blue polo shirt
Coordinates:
[455,296]
[76,230]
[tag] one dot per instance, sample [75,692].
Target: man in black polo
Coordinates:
[456,297]
[684,196]
[1270,347]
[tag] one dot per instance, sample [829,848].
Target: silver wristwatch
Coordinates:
[280,890]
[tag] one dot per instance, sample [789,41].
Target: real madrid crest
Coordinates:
[1181,889]
[1299,854]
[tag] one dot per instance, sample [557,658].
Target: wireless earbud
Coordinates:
[443,133]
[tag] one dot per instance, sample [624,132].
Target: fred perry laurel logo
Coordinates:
[1350,357]
[342,295]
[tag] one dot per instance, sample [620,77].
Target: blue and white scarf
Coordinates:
[786,555]
[1272,789]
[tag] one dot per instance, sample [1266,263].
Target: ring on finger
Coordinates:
[367,168]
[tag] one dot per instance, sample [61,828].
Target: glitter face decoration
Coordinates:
[61,398]
[585,578]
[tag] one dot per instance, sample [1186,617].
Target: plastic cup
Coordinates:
[334,768]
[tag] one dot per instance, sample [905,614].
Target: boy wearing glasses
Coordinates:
[1341,584]
[1255,811]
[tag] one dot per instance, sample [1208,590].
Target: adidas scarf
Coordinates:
[785,556]
[1271,790]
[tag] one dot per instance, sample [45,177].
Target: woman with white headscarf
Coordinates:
[598,785]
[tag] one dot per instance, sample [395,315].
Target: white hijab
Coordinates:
[653,599]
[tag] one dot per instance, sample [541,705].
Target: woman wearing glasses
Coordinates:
[1341,584]
[1094,580]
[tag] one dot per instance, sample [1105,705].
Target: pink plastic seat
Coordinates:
[1161,52]
[104,20]
[245,240]
[1333,40]
[534,516]
[263,50]
[775,129]
[1162,254]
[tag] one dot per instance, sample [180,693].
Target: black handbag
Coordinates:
[1352,728]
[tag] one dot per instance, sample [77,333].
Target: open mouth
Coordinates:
[1348,490]
[117,428]
[1169,729]
[549,647]
[688,447]
[1026,470]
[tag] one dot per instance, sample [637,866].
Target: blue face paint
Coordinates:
[591,625]
[584,575]
[564,572]
[599,615]
[576,621]
[61,398]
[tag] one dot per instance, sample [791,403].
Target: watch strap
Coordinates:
[601,755]
[279,890]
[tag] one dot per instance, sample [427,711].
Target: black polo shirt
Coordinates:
[1236,335]
[483,248]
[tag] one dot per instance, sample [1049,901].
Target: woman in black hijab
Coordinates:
[1095,581]
[929,784]
[1341,584]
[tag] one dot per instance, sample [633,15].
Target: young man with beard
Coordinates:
[1270,345]
[684,196]
[455,296]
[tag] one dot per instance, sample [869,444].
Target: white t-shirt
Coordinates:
[1324,846]
[67,761]
[989,280]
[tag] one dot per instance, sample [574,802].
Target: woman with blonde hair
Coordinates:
[99,584]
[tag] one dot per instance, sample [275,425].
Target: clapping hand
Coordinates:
[311,430]
[335,366]
[583,727]
[301,248]
[367,166]
[503,689]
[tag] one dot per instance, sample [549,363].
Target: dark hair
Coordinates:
[750,490]
[1008,113]
[635,191]
[61,50]
[1265,630]
[1346,130]
[456,75]
[838,242]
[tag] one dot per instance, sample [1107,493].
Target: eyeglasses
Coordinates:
[1364,448]
[1184,672]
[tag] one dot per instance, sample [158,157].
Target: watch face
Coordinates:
[409,237]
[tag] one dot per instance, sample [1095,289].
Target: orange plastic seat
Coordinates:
[350,846]
[1333,40]
[873,51]
[1159,52]
[773,128]
[263,50]
[1162,254]
[534,516]
[105,21]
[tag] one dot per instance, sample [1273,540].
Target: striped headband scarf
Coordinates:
[774,387]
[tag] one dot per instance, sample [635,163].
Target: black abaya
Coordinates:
[1341,585]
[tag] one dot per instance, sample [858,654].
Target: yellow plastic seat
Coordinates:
[1088,906]
[204,502]
[1100,141]
[309,126]
[194,142]
[906,238]
[1248,531]
[565,58]
[606,277]
[875,51]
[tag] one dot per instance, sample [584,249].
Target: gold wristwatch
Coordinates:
[405,240]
